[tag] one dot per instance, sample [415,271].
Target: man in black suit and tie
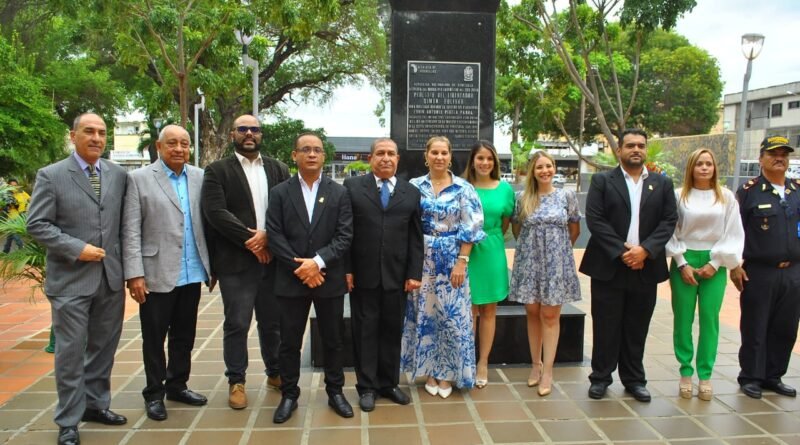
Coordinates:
[234,202]
[385,263]
[631,214]
[310,226]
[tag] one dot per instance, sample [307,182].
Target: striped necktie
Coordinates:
[94,179]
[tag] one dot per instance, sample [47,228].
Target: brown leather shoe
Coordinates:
[237,397]
[274,382]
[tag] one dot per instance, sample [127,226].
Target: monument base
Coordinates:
[510,340]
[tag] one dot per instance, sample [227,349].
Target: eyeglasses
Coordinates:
[244,129]
[307,150]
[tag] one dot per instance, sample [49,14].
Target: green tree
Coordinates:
[679,92]
[31,135]
[587,44]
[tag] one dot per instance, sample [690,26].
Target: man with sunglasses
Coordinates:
[234,201]
[770,304]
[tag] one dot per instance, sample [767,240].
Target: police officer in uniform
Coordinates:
[770,299]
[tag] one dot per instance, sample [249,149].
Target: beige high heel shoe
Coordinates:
[545,387]
[534,377]
[685,389]
[704,391]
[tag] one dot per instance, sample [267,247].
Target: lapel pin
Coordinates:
[321,200]
[650,187]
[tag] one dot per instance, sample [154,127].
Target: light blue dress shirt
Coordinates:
[192,270]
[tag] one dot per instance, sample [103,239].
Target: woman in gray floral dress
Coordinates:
[546,223]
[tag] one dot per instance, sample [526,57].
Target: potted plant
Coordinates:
[26,264]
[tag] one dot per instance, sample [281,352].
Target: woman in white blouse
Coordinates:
[708,239]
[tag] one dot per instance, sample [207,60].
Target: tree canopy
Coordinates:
[597,67]
[31,135]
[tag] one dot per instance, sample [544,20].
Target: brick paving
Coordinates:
[506,411]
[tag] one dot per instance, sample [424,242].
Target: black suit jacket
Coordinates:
[228,209]
[608,216]
[291,236]
[387,244]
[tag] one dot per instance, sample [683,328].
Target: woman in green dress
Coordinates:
[488,267]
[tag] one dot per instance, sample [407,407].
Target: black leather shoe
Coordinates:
[597,390]
[752,389]
[639,392]
[156,410]
[340,405]
[104,416]
[779,387]
[284,410]
[188,397]
[396,395]
[366,401]
[68,436]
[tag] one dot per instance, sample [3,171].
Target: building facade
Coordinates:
[771,111]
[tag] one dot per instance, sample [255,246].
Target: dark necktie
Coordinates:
[385,193]
[94,179]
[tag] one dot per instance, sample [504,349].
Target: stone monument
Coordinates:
[442,80]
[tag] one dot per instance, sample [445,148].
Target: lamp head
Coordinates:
[751,45]
[243,38]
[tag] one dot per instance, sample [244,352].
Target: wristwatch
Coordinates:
[464,257]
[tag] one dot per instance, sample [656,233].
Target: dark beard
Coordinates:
[239,147]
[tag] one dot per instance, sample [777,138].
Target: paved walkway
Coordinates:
[506,411]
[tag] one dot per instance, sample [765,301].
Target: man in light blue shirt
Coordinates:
[165,261]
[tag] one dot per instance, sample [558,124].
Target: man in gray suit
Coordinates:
[75,214]
[165,261]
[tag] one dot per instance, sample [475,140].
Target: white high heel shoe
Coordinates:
[432,389]
[445,392]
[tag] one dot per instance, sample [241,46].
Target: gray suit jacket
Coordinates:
[65,215]
[152,226]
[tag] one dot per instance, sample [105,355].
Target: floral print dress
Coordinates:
[437,332]
[544,267]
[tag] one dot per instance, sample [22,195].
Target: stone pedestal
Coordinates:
[510,341]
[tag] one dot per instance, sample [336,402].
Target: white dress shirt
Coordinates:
[309,196]
[392,183]
[635,194]
[257,180]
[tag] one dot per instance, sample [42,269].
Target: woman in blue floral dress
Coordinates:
[546,223]
[437,336]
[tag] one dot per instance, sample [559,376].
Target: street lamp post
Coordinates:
[245,40]
[197,108]
[751,47]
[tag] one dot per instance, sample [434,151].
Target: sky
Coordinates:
[714,25]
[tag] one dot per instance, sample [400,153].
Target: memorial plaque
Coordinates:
[443,99]
[441,39]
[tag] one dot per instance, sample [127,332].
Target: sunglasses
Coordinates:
[244,129]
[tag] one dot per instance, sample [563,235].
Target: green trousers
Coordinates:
[707,298]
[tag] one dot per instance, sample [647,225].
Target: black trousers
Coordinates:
[377,324]
[770,307]
[243,294]
[621,313]
[294,317]
[172,316]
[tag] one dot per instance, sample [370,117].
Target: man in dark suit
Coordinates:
[385,263]
[165,261]
[234,202]
[631,214]
[310,225]
[75,214]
